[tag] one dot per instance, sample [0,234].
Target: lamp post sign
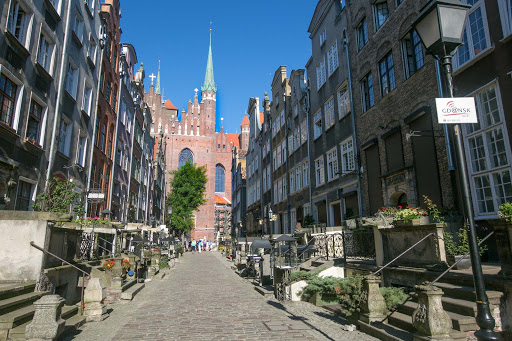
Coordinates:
[456,110]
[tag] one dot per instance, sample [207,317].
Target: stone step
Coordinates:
[264,291]
[69,311]
[17,317]
[75,321]
[459,322]
[385,332]
[468,293]
[319,263]
[16,289]
[12,303]
[132,291]
[402,321]
[127,285]
[18,333]
[309,269]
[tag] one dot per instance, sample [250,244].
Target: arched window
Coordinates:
[219,178]
[185,155]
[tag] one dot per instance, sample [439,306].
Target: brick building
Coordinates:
[191,136]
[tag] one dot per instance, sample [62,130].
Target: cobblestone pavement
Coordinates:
[202,299]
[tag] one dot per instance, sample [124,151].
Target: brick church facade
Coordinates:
[191,136]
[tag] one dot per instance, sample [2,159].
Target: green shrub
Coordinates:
[320,285]
[164,262]
[300,276]
[393,297]
[505,212]
[349,291]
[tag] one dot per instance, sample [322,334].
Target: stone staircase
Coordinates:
[458,302]
[316,264]
[17,311]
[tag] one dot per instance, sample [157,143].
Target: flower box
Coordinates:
[413,222]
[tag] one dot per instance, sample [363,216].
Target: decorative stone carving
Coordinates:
[47,323]
[372,303]
[117,272]
[429,318]
[44,284]
[94,296]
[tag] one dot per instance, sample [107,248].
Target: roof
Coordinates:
[233,138]
[262,117]
[221,200]
[169,105]
[245,120]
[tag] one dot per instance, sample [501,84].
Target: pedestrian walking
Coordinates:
[199,245]
[193,245]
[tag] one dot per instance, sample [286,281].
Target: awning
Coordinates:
[260,244]
[284,238]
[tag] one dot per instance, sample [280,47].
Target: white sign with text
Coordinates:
[456,110]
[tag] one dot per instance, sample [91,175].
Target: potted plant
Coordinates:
[457,250]
[503,229]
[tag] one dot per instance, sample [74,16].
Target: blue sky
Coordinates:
[250,40]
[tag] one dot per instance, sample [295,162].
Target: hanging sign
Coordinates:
[456,110]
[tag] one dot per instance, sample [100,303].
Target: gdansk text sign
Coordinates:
[456,110]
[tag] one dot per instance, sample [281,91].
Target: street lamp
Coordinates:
[440,27]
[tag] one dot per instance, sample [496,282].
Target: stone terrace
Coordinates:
[202,299]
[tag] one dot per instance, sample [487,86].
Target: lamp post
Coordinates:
[440,26]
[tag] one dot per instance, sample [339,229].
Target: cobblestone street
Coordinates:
[202,299]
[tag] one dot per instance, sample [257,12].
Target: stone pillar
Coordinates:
[293,254]
[373,305]
[429,318]
[47,323]
[117,272]
[94,296]
[379,246]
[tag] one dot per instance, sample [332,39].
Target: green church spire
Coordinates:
[209,83]
[157,87]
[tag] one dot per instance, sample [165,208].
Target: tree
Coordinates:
[187,194]
[61,197]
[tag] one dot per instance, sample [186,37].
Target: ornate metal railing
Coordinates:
[358,244]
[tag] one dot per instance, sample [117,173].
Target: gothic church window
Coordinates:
[219,178]
[185,156]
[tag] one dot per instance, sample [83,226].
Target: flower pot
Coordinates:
[462,265]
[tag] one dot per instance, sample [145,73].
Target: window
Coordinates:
[305,174]
[185,156]
[387,74]
[475,37]
[343,103]
[381,13]
[34,124]
[319,171]
[362,35]
[87,99]
[317,120]
[292,181]
[72,79]
[329,113]
[332,58]
[505,9]
[8,91]
[489,155]
[320,74]
[103,137]
[298,177]
[332,164]
[64,137]
[24,195]
[91,50]
[347,156]
[279,190]
[78,26]
[90,4]
[55,4]
[220,174]
[413,53]
[19,23]
[296,109]
[109,143]
[367,92]
[108,91]
[278,157]
[283,151]
[81,149]
[119,155]
[323,36]
[285,191]
[126,158]
[275,193]
[303,131]
[45,53]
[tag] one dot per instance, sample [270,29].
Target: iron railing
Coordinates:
[73,266]
[460,260]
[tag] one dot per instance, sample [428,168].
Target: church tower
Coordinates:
[209,93]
